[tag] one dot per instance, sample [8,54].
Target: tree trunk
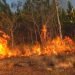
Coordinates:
[58,19]
[12,37]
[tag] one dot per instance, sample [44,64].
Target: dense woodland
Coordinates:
[24,25]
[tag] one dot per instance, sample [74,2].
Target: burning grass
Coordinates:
[54,47]
[48,47]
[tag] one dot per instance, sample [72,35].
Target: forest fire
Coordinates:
[56,46]
[37,37]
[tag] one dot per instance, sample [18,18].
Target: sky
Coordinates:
[10,1]
[63,2]
[14,1]
[73,2]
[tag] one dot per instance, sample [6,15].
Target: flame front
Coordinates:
[50,47]
[3,47]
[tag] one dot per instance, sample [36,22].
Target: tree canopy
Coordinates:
[24,26]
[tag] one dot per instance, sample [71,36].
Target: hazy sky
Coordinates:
[14,1]
[10,1]
[73,2]
[63,2]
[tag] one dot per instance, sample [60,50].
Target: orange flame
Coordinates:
[56,46]
[44,33]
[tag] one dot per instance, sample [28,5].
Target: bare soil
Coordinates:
[38,65]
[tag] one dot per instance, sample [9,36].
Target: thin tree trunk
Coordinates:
[58,19]
[12,39]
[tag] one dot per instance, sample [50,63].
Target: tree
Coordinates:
[8,20]
[70,7]
[68,20]
[58,19]
[33,8]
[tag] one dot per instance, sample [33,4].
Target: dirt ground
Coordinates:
[38,65]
